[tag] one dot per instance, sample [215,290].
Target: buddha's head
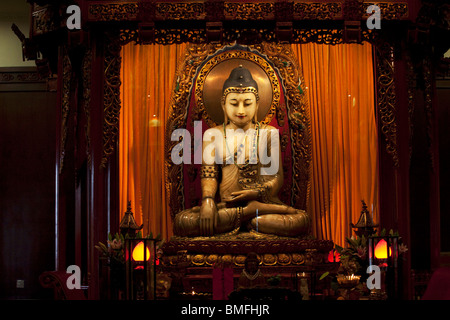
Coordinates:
[240,97]
[251,263]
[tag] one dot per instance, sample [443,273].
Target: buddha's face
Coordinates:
[240,108]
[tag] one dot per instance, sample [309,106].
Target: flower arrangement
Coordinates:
[114,249]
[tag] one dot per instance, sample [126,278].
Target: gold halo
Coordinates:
[211,77]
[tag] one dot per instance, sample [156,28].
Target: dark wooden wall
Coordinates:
[27,188]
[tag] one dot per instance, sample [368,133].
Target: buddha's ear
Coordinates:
[255,118]
[225,118]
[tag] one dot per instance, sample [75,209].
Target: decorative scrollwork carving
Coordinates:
[172,36]
[86,69]
[270,252]
[45,19]
[388,10]
[386,98]
[129,35]
[411,105]
[113,11]
[428,99]
[249,11]
[180,10]
[249,35]
[111,95]
[65,107]
[317,11]
[321,36]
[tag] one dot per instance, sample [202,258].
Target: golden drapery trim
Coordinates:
[344,135]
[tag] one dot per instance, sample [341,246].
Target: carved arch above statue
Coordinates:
[197,82]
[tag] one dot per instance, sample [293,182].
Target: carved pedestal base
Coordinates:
[193,261]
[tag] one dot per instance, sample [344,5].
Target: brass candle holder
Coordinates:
[348,281]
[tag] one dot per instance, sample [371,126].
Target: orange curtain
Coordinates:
[147,76]
[344,135]
[341,98]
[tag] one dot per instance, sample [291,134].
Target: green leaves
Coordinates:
[324,275]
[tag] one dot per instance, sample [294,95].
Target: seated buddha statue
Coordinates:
[235,169]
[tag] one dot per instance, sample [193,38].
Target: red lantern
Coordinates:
[139,254]
[381,250]
[334,256]
[140,268]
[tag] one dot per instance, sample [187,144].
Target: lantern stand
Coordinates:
[140,268]
[383,252]
[365,225]
[128,226]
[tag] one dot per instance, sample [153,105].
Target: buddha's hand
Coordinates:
[208,217]
[243,195]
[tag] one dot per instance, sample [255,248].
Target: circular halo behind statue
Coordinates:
[214,73]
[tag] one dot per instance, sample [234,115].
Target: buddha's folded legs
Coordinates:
[288,225]
[187,222]
[278,219]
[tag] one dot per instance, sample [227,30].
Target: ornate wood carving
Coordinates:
[121,11]
[240,11]
[429,110]
[318,10]
[15,76]
[279,252]
[45,19]
[386,97]
[248,36]
[249,11]
[111,95]
[65,106]
[86,81]
[411,105]
[180,10]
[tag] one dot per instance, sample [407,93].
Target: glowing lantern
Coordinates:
[138,252]
[140,268]
[381,250]
[334,256]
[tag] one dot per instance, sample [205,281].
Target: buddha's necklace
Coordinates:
[254,147]
[252,277]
